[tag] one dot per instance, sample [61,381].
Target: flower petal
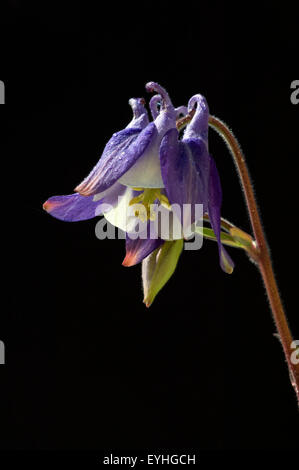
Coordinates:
[146,172]
[185,173]
[140,248]
[112,164]
[155,105]
[71,208]
[109,198]
[214,206]
[198,127]
[140,117]
[122,215]
[74,207]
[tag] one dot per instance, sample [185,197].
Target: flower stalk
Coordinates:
[260,251]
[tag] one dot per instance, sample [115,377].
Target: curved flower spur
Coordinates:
[148,168]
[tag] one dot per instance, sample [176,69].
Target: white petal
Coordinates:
[146,172]
[122,216]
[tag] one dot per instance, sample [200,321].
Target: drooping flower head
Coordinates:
[145,169]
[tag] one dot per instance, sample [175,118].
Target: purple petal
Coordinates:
[185,172]
[140,117]
[166,101]
[199,125]
[198,153]
[120,154]
[146,173]
[154,105]
[71,208]
[114,161]
[74,207]
[137,250]
[144,170]
[111,165]
[214,207]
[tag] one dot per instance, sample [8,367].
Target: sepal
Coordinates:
[158,268]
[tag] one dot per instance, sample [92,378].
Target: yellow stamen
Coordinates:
[145,200]
[164,201]
[136,200]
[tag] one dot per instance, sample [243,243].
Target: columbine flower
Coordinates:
[189,172]
[145,168]
[189,176]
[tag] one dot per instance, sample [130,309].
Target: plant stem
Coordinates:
[259,252]
[262,254]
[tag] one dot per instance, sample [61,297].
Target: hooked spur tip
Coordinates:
[151,86]
[153,104]
[134,101]
[198,101]
[154,86]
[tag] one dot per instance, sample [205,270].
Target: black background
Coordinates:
[88,366]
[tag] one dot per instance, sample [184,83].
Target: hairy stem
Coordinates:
[259,250]
[261,255]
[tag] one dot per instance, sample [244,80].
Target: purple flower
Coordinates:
[189,172]
[147,169]
[189,177]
